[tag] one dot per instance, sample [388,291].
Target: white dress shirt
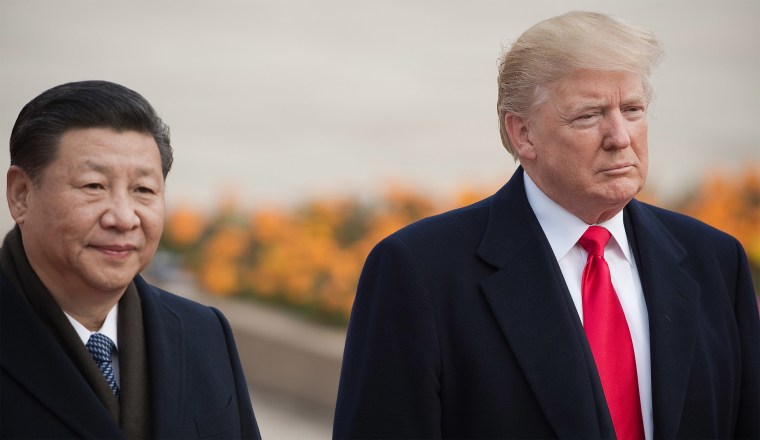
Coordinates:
[563,230]
[109,329]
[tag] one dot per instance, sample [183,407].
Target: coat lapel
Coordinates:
[38,363]
[163,336]
[670,294]
[529,299]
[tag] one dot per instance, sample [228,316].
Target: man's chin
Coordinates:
[623,190]
[111,282]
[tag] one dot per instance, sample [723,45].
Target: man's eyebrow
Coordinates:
[579,107]
[90,165]
[146,171]
[589,104]
[93,166]
[636,99]
[592,104]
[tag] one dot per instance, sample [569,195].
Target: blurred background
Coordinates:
[305,131]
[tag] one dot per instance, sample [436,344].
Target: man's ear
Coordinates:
[519,135]
[19,186]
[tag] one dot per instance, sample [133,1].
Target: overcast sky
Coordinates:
[287,99]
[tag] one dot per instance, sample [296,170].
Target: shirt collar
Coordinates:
[563,229]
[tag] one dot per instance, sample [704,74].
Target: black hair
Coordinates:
[84,104]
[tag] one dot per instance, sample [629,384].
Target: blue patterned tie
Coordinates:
[100,347]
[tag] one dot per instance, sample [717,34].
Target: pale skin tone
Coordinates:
[94,218]
[586,146]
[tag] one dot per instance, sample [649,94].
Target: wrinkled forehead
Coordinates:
[106,150]
[591,85]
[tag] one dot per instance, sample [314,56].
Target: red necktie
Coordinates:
[609,338]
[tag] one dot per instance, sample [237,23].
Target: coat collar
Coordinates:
[64,391]
[163,334]
[530,301]
[671,295]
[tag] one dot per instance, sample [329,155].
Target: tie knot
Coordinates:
[594,240]
[100,347]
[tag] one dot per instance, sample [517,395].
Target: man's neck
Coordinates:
[91,316]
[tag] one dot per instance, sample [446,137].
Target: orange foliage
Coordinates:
[468,196]
[228,243]
[219,276]
[731,203]
[184,226]
[310,256]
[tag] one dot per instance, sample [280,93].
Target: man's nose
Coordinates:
[616,134]
[121,213]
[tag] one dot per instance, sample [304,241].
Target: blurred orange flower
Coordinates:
[309,257]
[184,226]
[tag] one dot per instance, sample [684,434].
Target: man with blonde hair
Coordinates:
[560,306]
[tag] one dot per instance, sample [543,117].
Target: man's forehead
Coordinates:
[598,87]
[99,149]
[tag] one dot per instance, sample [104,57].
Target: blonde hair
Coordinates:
[556,47]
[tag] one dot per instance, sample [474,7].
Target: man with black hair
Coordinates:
[88,349]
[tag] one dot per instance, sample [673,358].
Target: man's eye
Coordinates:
[144,190]
[93,186]
[585,117]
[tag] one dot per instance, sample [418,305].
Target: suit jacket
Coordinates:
[463,327]
[197,388]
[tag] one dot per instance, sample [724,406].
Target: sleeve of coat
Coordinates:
[389,385]
[249,429]
[746,309]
